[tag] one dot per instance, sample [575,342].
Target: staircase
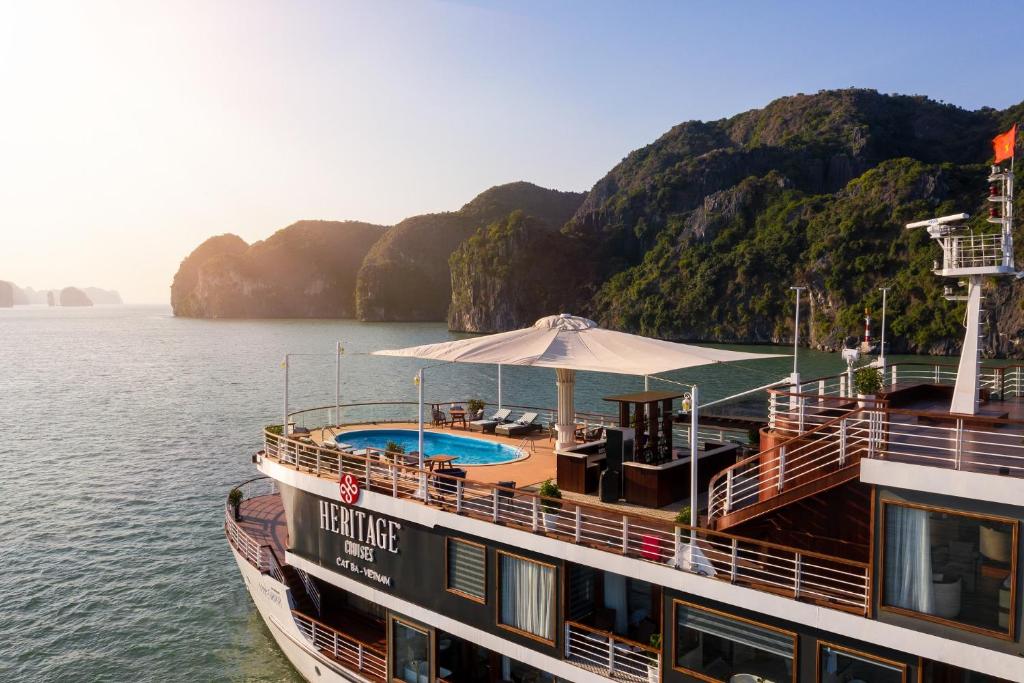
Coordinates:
[793,469]
[304,602]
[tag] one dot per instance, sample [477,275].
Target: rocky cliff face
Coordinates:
[513,272]
[72,296]
[406,275]
[702,232]
[6,294]
[307,270]
[103,297]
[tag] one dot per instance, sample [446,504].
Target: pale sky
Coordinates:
[131,131]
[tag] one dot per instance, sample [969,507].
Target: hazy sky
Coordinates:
[131,131]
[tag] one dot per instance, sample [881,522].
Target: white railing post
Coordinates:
[318,461]
[772,403]
[728,489]
[797,567]
[578,531]
[568,641]
[335,645]
[360,656]
[733,561]
[426,488]
[611,655]
[842,442]
[535,513]
[458,496]
[625,534]
[782,466]
[938,374]
[892,382]
[842,386]
[367,470]
[677,540]
[801,404]
[494,506]
[959,450]
[394,481]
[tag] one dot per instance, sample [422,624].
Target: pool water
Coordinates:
[470,451]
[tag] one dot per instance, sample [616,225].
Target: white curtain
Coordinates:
[908,559]
[527,596]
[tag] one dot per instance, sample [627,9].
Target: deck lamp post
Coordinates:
[881,351]
[284,422]
[690,399]
[337,384]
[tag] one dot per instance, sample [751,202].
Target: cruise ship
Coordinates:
[868,530]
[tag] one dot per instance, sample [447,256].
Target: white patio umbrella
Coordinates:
[568,343]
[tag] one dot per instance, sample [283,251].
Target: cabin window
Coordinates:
[715,646]
[410,653]
[950,566]
[839,664]
[527,596]
[467,569]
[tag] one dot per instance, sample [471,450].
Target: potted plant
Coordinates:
[652,666]
[683,516]
[867,382]
[235,501]
[476,408]
[274,429]
[550,506]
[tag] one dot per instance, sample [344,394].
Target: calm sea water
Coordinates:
[121,431]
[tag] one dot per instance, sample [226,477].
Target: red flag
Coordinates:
[1004,144]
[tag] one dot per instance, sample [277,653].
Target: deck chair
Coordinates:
[487,426]
[524,425]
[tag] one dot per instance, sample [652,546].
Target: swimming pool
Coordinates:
[470,451]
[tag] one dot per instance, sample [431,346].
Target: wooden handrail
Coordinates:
[488,489]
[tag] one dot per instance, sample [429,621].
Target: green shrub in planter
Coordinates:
[274,429]
[235,501]
[867,381]
[548,490]
[394,447]
[683,516]
[475,405]
[656,641]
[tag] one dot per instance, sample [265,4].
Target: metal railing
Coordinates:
[387,412]
[973,251]
[311,589]
[611,655]
[344,649]
[803,575]
[348,651]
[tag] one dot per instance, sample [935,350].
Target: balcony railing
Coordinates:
[349,652]
[795,573]
[344,649]
[611,655]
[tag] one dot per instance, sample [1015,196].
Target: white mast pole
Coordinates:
[499,386]
[419,386]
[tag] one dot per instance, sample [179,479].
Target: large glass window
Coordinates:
[842,665]
[527,600]
[716,646]
[467,569]
[410,653]
[951,566]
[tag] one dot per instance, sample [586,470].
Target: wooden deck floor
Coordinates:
[264,521]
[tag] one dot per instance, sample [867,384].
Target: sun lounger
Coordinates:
[488,425]
[524,425]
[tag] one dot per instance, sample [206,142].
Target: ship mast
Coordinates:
[965,254]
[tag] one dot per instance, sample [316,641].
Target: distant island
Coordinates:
[13,295]
[697,236]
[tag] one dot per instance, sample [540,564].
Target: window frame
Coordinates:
[676,602]
[480,599]
[415,626]
[554,599]
[1014,524]
[822,644]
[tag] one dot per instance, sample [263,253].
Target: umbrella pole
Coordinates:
[499,386]
[284,422]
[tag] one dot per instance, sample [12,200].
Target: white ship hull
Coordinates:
[271,599]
